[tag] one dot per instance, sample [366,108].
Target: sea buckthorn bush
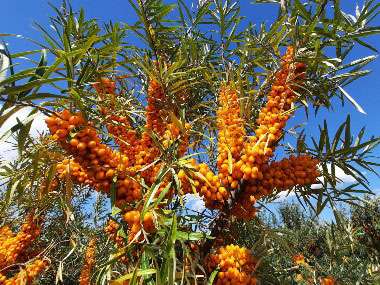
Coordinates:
[167,150]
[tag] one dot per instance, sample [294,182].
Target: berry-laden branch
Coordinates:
[236,265]
[14,251]
[97,164]
[244,166]
[85,276]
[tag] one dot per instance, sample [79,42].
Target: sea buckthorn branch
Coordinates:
[119,127]
[251,175]
[96,165]
[328,281]
[230,137]
[12,246]
[236,265]
[247,162]
[77,172]
[26,275]
[113,231]
[13,250]
[85,276]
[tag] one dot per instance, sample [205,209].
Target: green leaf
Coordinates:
[145,266]
[40,70]
[113,192]
[212,276]
[4,64]
[303,13]
[23,134]
[352,100]
[29,85]
[16,127]
[136,273]
[8,114]
[191,236]
[152,191]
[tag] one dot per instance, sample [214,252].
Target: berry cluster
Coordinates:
[272,119]
[133,220]
[85,276]
[11,246]
[298,259]
[26,275]
[118,126]
[97,165]
[105,86]
[124,137]
[77,173]
[246,163]
[96,162]
[54,184]
[112,230]
[236,265]
[328,281]
[230,137]
[206,183]
[13,250]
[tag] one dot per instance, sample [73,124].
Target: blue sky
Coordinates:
[17,17]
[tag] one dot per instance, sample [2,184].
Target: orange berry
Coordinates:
[81,146]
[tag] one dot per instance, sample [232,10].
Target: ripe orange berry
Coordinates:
[81,146]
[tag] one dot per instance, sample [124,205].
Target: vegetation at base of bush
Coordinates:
[202,103]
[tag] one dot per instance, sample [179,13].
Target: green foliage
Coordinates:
[349,254]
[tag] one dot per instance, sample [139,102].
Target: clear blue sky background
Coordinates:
[17,15]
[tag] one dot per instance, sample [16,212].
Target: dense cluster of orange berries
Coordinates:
[155,115]
[298,259]
[285,174]
[11,246]
[260,177]
[77,173]
[105,86]
[207,184]
[112,231]
[13,250]
[85,276]
[133,220]
[244,207]
[246,163]
[272,119]
[54,184]
[328,281]
[230,137]
[96,163]
[124,136]
[26,275]
[301,170]
[236,265]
